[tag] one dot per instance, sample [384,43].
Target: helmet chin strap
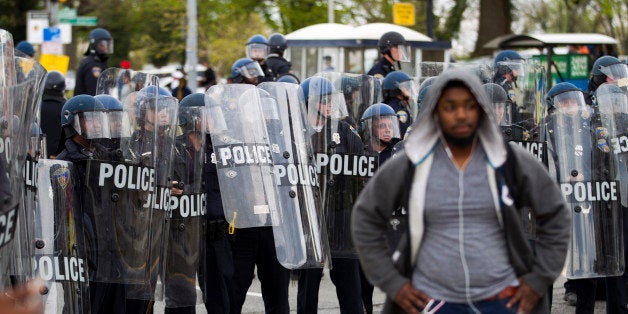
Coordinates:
[383,143]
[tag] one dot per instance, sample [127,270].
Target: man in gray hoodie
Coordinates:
[464,190]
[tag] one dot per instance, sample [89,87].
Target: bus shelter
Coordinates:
[353,49]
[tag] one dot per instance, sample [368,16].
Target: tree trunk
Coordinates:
[495,20]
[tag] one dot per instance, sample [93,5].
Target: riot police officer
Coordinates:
[254,246]
[609,69]
[52,101]
[95,62]
[507,71]
[400,93]
[392,47]
[246,71]
[276,64]
[215,269]
[605,69]
[257,48]
[187,208]
[581,155]
[84,120]
[379,129]
[332,136]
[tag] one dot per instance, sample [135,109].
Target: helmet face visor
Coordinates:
[104,46]
[399,53]
[615,72]
[251,70]
[119,124]
[382,128]
[515,66]
[92,125]
[331,105]
[256,51]
[569,102]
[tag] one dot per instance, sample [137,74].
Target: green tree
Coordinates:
[13,16]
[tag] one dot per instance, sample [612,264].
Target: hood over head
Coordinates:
[426,130]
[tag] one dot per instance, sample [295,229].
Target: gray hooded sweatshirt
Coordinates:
[402,182]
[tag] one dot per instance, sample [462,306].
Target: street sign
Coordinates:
[81,21]
[36,21]
[66,13]
[403,14]
[52,34]
[55,62]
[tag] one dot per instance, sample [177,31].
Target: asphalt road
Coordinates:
[328,303]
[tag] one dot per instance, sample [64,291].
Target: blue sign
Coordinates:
[52,34]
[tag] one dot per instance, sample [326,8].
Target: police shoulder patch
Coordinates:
[96,71]
[403,116]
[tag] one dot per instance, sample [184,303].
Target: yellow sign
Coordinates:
[403,14]
[55,62]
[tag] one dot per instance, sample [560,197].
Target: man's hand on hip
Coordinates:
[525,296]
[411,299]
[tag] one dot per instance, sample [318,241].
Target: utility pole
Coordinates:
[191,47]
[330,11]
[430,18]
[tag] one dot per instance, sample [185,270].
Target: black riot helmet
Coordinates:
[277,44]
[390,40]
[100,42]
[54,82]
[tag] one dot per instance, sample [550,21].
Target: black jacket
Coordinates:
[276,66]
[87,74]
[383,67]
[51,106]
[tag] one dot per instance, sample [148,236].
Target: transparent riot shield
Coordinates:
[20,94]
[119,182]
[612,101]
[525,96]
[60,255]
[120,83]
[243,156]
[584,167]
[28,111]
[187,208]
[160,127]
[359,90]
[299,223]
[427,69]
[342,163]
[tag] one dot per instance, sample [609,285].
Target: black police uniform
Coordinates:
[276,66]
[403,115]
[51,104]
[382,67]
[215,275]
[345,272]
[88,72]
